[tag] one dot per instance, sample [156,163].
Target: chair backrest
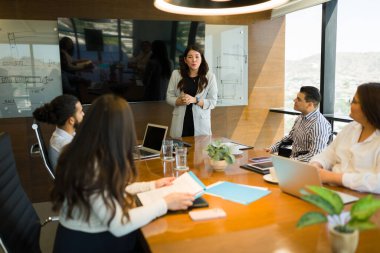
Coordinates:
[19,223]
[43,150]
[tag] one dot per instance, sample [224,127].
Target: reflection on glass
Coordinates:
[29,66]
[120,52]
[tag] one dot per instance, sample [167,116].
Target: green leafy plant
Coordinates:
[219,151]
[342,221]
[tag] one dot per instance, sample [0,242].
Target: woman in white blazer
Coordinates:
[193,92]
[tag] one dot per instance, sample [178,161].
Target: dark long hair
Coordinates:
[202,71]
[57,111]
[160,53]
[369,96]
[99,160]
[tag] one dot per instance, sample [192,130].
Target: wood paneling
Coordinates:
[252,124]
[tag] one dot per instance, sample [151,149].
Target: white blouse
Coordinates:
[358,161]
[100,215]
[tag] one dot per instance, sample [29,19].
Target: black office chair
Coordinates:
[20,225]
[285,148]
[40,149]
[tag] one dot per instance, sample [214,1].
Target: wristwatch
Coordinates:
[197,100]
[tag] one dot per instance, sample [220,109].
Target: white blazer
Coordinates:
[201,116]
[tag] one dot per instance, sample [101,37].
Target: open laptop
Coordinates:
[294,175]
[152,143]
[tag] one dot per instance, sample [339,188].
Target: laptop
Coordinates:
[152,142]
[294,175]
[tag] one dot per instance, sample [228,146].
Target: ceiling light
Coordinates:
[216,7]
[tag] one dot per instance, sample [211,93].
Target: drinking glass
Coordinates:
[181,158]
[167,150]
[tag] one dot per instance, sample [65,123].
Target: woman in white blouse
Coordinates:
[96,180]
[353,159]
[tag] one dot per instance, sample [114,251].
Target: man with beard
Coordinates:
[66,113]
[311,131]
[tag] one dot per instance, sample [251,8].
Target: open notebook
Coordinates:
[153,137]
[294,175]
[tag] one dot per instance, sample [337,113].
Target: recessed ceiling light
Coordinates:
[216,7]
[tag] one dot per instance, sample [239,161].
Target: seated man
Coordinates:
[311,131]
[66,113]
[353,159]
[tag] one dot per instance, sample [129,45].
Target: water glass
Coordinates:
[168,168]
[181,158]
[167,150]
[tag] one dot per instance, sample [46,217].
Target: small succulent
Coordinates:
[342,221]
[219,151]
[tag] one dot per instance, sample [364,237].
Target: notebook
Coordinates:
[294,175]
[152,143]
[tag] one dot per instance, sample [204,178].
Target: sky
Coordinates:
[357,21]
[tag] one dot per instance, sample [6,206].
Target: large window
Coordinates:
[302,54]
[358,49]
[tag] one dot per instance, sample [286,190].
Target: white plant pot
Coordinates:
[343,242]
[218,165]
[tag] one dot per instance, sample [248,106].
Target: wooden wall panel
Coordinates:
[252,124]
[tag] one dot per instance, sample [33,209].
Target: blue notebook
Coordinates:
[239,193]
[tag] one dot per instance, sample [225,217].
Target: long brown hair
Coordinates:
[369,96]
[202,71]
[99,160]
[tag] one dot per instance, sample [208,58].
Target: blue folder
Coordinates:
[237,193]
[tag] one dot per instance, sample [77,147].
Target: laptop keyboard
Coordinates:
[145,153]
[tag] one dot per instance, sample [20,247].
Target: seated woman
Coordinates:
[66,113]
[353,159]
[95,182]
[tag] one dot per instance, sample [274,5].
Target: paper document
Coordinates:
[187,183]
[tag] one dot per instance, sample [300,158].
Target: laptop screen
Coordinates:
[154,135]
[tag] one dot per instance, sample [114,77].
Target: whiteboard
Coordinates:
[226,51]
[30,73]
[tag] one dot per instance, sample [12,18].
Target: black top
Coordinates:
[190,87]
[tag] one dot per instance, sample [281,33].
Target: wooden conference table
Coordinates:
[266,225]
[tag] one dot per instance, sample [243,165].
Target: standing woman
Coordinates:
[193,93]
[353,158]
[96,180]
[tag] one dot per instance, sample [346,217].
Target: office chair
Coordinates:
[20,225]
[285,148]
[40,149]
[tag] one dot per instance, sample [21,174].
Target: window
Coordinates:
[302,54]
[358,49]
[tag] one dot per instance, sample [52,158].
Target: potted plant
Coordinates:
[343,225]
[220,155]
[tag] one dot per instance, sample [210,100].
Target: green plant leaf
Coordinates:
[219,151]
[319,202]
[333,198]
[311,218]
[361,225]
[364,208]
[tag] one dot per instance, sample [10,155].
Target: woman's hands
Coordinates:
[165,181]
[175,201]
[185,99]
[327,176]
[179,201]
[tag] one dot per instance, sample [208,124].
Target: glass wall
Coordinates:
[358,49]
[302,54]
